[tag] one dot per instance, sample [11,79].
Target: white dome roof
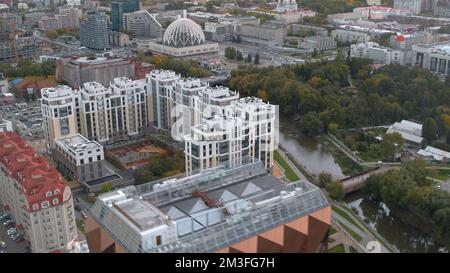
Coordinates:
[183,32]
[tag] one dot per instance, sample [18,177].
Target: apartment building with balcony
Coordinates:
[58,114]
[33,193]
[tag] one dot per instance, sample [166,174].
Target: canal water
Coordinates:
[401,235]
[310,153]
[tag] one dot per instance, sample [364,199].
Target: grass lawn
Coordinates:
[348,166]
[442,174]
[88,198]
[80,224]
[346,216]
[353,250]
[350,231]
[331,231]
[337,249]
[290,174]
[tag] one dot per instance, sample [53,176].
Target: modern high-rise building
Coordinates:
[214,123]
[142,24]
[58,114]
[33,193]
[103,114]
[118,9]
[94,31]
[118,112]
[225,210]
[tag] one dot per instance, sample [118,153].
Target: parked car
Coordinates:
[14,236]
[11,231]
[7,223]
[17,238]
[6,218]
[2,244]
[84,215]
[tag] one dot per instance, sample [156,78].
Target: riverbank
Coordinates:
[348,166]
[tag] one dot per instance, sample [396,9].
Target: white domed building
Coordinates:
[183,37]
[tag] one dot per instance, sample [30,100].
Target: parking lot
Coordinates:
[11,246]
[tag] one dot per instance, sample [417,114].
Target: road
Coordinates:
[11,246]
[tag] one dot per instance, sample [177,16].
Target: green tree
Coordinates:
[310,124]
[417,168]
[107,187]
[256,60]
[324,179]
[249,58]
[391,145]
[48,68]
[447,138]
[335,190]
[239,56]
[430,130]
[230,53]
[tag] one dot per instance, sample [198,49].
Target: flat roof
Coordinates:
[77,143]
[141,213]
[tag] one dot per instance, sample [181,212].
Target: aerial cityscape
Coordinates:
[225,126]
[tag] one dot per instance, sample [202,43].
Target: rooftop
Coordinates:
[206,211]
[77,143]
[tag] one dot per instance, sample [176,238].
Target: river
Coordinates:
[310,153]
[400,235]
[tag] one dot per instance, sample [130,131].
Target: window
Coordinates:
[158,240]
[48,194]
[45,204]
[35,206]
[55,201]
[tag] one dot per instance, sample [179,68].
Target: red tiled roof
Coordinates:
[37,84]
[33,173]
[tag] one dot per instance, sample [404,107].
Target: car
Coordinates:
[10,225]
[17,238]
[11,231]
[77,207]
[77,199]
[84,214]
[6,219]
[7,223]
[2,244]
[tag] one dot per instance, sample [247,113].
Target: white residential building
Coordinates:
[33,193]
[379,54]
[215,124]
[79,158]
[58,114]
[435,57]
[4,85]
[348,36]
[415,6]
[126,109]
[5,125]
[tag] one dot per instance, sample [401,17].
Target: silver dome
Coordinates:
[183,32]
